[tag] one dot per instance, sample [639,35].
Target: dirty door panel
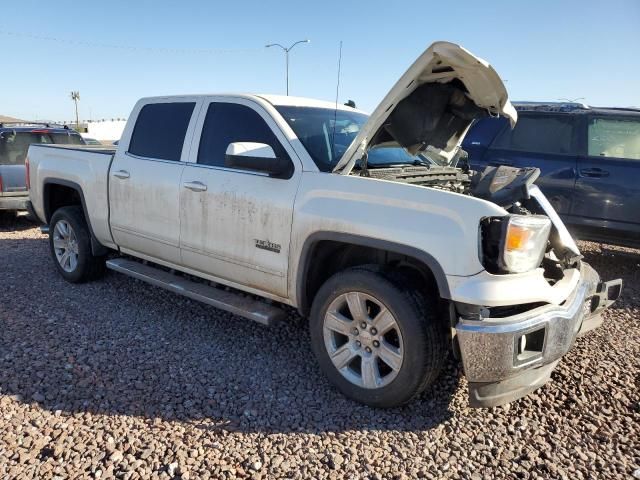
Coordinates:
[236,225]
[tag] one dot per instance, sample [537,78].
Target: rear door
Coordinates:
[144,180]
[236,224]
[608,185]
[546,141]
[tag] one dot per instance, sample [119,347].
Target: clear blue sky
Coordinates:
[544,49]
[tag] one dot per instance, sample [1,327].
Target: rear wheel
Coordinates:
[376,338]
[70,245]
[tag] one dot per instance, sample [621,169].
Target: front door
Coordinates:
[235,224]
[144,181]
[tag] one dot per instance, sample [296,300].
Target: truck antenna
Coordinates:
[335,112]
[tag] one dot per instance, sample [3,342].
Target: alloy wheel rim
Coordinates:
[363,340]
[65,246]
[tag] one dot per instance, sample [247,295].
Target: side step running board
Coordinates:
[256,310]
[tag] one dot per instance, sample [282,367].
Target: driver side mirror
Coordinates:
[257,157]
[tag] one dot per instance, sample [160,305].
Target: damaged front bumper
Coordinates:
[507,358]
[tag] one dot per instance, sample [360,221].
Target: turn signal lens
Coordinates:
[517,237]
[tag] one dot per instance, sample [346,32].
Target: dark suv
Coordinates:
[589,160]
[15,139]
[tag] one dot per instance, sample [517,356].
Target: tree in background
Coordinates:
[75,96]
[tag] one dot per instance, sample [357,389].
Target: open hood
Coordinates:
[431,107]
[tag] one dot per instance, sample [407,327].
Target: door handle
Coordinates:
[594,172]
[195,186]
[121,174]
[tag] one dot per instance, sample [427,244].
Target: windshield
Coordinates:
[14,145]
[315,129]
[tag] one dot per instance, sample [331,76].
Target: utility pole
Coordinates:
[75,96]
[286,54]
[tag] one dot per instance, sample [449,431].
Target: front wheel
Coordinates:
[70,245]
[376,338]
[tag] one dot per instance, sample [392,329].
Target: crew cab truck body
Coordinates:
[366,225]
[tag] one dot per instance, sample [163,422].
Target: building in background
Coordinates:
[104,130]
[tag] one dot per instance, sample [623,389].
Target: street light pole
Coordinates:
[286,54]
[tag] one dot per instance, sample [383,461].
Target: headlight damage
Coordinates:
[515,243]
[532,235]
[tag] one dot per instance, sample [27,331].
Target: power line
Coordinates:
[83,43]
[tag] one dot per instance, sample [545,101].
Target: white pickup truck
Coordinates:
[373,227]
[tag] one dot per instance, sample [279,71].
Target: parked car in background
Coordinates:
[91,141]
[589,160]
[395,257]
[14,143]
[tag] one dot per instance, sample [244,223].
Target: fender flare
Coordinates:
[96,247]
[399,248]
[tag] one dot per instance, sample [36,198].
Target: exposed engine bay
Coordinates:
[505,186]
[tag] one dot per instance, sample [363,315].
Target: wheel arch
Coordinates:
[320,246]
[59,193]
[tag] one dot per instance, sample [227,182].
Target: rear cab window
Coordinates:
[552,134]
[160,130]
[613,137]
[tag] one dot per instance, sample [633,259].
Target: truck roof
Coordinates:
[275,100]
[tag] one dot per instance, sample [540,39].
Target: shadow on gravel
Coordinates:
[10,222]
[120,347]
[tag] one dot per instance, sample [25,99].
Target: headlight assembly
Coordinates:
[515,243]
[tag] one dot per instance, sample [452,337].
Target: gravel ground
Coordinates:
[120,379]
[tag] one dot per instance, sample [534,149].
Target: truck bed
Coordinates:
[84,168]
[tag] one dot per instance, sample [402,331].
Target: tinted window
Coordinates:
[614,138]
[160,130]
[14,144]
[226,123]
[541,134]
[68,138]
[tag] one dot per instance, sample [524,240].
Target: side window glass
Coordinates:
[160,130]
[226,123]
[538,134]
[614,138]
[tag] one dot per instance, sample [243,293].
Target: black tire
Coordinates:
[423,334]
[89,267]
